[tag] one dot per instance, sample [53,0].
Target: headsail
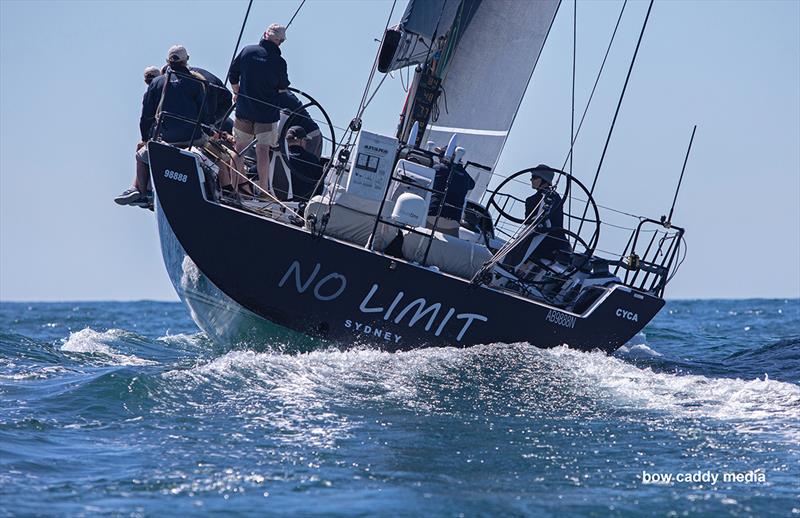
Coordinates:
[484,53]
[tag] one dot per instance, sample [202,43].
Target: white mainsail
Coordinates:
[485,66]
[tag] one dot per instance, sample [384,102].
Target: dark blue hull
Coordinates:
[328,289]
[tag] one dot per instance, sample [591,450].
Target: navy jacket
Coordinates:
[260,72]
[219,98]
[306,172]
[184,97]
[300,117]
[460,184]
[556,239]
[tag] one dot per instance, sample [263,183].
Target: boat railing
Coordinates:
[203,123]
[652,269]
[429,232]
[647,262]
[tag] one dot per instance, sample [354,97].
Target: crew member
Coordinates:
[257,74]
[450,185]
[185,99]
[546,205]
[300,117]
[304,165]
[543,210]
[219,99]
[151,73]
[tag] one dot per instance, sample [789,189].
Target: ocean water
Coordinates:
[126,409]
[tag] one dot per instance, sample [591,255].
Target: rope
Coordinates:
[254,184]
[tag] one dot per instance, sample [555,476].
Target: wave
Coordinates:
[492,380]
[781,359]
[752,405]
[96,343]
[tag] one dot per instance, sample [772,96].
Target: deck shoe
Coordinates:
[146,201]
[129,197]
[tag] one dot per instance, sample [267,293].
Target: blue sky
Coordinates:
[71,87]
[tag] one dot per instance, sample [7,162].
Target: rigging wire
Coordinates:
[596,81]
[295,13]
[572,117]
[238,41]
[683,169]
[362,106]
[616,112]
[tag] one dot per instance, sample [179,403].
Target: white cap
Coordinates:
[177,54]
[275,31]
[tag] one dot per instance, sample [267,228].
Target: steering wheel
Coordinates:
[492,202]
[295,115]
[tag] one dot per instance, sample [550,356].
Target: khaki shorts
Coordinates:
[244,131]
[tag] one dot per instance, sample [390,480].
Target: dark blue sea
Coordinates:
[125,409]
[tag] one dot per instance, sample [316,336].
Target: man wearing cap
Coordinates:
[257,74]
[303,164]
[300,117]
[546,205]
[185,99]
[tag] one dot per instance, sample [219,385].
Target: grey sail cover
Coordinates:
[485,71]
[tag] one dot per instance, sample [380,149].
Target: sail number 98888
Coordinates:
[173,175]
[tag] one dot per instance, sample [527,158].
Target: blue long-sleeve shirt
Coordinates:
[184,97]
[260,72]
[455,198]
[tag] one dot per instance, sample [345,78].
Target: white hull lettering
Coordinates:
[363,307]
[561,319]
[334,284]
[295,267]
[419,313]
[366,329]
[332,277]
[470,317]
[627,315]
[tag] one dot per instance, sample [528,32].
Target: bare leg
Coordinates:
[224,176]
[263,157]
[238,163]
[142,182]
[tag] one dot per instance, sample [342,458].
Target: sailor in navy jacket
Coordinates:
[184,98]
[259,72]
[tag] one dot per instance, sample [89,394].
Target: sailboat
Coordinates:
[361,263]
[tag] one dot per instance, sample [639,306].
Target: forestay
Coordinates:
[485,64]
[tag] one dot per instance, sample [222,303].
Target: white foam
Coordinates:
[304,385]
[753,406]
[89,341]
[637,351]
[193,340]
